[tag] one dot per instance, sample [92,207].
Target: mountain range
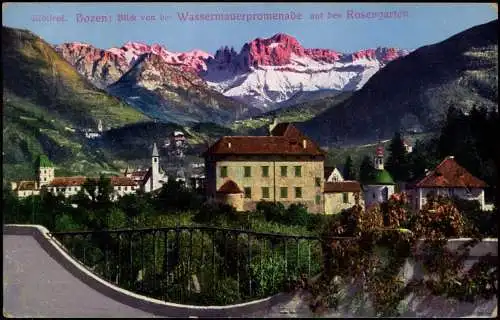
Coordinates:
[52,93]
[413,94]
[197,86]
[46,105]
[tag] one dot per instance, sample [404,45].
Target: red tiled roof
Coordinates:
[25,185]
[229,187]
[67,181]
[122,181]
[289,141]
[342,186]
[80,180]
[449,174]
[140,174]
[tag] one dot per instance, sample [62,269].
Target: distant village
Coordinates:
[284,166]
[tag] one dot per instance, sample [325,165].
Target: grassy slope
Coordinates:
[43,97]
[297,113]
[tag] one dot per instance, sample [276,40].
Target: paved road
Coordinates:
[35,285]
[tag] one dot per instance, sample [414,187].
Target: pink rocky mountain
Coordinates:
[272,70]
[104,67]
[263,73]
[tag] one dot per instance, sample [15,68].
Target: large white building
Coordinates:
[67,186]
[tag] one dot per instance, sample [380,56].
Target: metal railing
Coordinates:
[196,265]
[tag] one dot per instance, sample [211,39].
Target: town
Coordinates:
[285,166]
[240,167]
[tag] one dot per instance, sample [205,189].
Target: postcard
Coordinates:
[258,116]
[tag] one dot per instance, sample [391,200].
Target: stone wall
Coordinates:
[358,305]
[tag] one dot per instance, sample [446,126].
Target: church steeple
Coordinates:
[378,160]
[155,168]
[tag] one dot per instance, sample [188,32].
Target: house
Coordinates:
[285,167]
[380,186]
[342,195]
[447,179]
[67,186]
[332,174]
[151,179]
[24,188]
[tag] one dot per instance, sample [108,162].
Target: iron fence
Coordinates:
[196,265]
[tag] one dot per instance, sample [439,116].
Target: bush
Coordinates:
[214,212]
[272,211]
[296,214]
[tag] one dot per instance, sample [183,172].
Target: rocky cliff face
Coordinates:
[168,93]
[415,92]
[264,73]
[270,71]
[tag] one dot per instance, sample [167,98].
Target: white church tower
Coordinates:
[381,185]
[44,171]
[378,160]
[99,126]
[155,169]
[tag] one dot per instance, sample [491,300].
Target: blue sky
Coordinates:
[424,24]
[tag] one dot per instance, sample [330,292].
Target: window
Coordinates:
[223,172]
[119,188]
[374,195]
[298,192]
[248,192]
[248,172]
[345,197]
[284,192]
[155,160]
[318,182]
[265,192]
[318,199]
[298,171]
[265,171]
[283,171]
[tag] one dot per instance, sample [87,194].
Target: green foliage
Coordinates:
[175,196]
[297,214]
[366,169]
[349,173]
[268,271]
[397,163]
[66,223]
[214,212]
[374,258]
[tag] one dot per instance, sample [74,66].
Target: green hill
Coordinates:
[45,102]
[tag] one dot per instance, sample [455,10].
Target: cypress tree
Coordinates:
[397,162]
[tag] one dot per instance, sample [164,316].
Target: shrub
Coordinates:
[296,214]
[272,211]
[213,212]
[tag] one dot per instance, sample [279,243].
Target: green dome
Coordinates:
[43,161]
[382,177]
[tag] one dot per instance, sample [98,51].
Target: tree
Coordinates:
[349,173]
[175,196]
[104,191]
[422,158]
[397,162]
[366,169]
